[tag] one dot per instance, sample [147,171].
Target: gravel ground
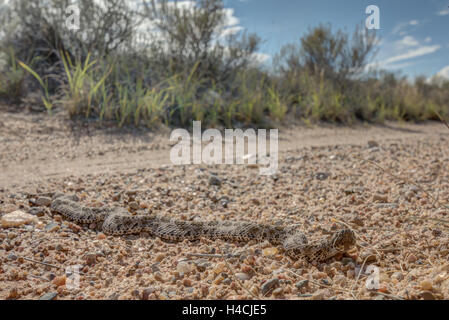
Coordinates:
[400,222]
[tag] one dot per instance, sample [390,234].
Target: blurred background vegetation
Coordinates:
[162,64]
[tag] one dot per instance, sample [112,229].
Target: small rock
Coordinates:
[11,257]
[49,296]
[202,265]
[183,267]
[17,218]
[398,276]
[302,284]
[373,144]
[380,198]
[350,274]
[59,281]
[187,282]
[43,201]
[255,201]
[155,267]
[13,293]
[134,205]
[90,259]
[368,256]
[269,251]
[411,258]
[116,197]
[37,211]
[278,292]
[358,221]
[269,286]
[427,295]
[426,284]
[146,293]
[319,295]
[214,181]
[158,277]
[101,236]
[52,227]
[339,279]
[322,176]
[242,276]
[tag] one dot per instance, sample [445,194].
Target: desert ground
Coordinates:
[389,183]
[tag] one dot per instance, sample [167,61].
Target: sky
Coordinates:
[414,34]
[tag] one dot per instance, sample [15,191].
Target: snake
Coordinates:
[117,221]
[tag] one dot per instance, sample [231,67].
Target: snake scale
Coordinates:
[117,221]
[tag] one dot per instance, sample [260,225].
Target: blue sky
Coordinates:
[414,33]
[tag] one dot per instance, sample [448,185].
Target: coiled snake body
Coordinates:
[117,221]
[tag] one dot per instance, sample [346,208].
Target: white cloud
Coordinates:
[261,57]
[443,12]
[428,39]
[420,51]
[407,41]
[443,73]
[231,30]
[400,28]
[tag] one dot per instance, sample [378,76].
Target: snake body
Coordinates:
[117,221]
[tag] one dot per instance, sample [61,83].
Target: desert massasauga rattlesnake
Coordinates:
[117,221]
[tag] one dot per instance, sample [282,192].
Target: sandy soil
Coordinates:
[322,184]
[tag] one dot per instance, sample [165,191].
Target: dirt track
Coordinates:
[34,147]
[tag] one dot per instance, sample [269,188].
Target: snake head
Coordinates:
[343,239]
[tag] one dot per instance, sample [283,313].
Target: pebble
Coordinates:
[426,284]
[270,251]
[52,227]
[368,257]
[319,295]
[242,276]
[380,198]
[13,293]
[90,259]
[184,267]
[302,284]
[373,144]
[11,257]
[37,211]
[269,286]
[322,176]
[187,282]
[17,218]
[427,295]
[146,293]
[214,181]
[134,205]
[278,292]
[411,258]
[43,201]
[49,296]
[398,276]
[59,281]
